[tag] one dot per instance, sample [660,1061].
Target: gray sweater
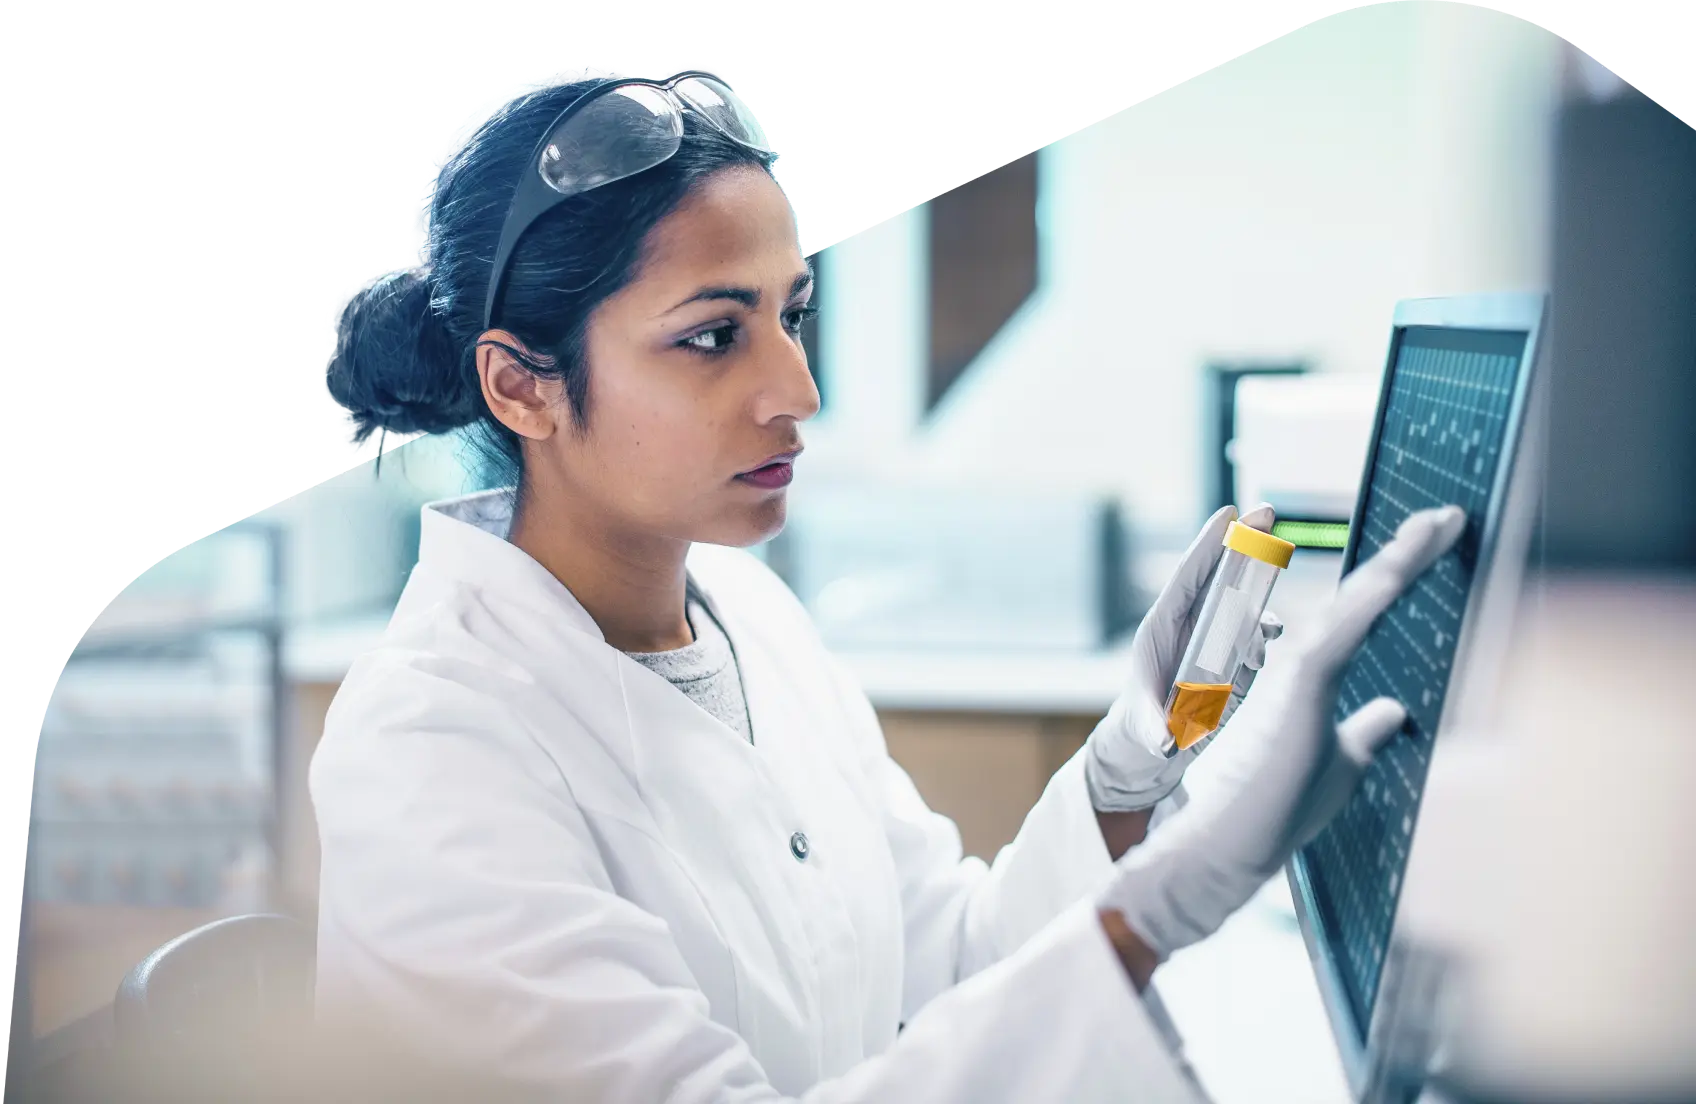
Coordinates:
[706,670]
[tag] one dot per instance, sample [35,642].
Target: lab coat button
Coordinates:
[798,846]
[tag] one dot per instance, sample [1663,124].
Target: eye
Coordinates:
[716,340]
[794,319]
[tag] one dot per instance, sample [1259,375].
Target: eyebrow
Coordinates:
[748,297]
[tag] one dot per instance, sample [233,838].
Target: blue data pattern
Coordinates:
[1444,428]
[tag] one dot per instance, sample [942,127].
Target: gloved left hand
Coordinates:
[1124,764]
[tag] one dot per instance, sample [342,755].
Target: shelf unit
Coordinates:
[157,800]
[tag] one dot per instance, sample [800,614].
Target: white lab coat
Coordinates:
[540,858]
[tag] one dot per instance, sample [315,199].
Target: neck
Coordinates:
[633,586]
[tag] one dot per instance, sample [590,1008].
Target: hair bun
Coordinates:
[396,367]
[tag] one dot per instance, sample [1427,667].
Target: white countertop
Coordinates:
[956,680]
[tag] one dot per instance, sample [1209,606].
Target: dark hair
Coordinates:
[405,358]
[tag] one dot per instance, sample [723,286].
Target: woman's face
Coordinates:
[697,380]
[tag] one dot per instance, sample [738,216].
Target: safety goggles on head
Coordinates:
[613,131]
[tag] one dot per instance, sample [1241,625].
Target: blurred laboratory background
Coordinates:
[1035,387]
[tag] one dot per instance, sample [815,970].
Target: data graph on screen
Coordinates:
[1445,423]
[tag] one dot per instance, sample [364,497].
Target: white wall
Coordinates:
[874,348]
[1230,217]
[1277,206]
[1489,86]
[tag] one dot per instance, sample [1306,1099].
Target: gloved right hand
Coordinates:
[1283,767]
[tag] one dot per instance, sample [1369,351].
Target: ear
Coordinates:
[523,402]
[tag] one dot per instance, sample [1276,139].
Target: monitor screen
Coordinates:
[1444,423]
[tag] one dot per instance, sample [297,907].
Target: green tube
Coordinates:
[1312,534]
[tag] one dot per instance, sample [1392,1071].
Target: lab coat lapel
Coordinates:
[672,751]
[464,540]
[806,744]
[691,783]
[580,686]
[784,675]
[727,822]
[682,755]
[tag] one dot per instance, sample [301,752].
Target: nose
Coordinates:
[787,388]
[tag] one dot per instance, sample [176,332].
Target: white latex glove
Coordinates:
[1125,765]
[1284,768]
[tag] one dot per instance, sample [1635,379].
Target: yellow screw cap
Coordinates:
[1261,546]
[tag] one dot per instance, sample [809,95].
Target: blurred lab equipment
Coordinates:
[351,540]
[154,778]
[1224,629]
[1297,440]
[1219,421]
[1299,443]
[919,568]
[1447,431]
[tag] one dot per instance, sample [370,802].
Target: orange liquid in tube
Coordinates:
[1195,709]
[1224,628]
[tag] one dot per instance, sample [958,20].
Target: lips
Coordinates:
[781,458]
[774,474]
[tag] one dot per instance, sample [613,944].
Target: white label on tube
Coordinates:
[1222,635]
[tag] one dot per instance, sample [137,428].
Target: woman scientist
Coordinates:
[601,819]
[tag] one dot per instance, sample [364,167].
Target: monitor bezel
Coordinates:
[1361,1049]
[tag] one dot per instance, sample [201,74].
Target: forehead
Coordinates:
[734,227]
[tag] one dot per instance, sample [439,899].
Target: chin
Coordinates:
[750,526]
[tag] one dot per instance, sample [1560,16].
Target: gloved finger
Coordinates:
[1420,539]
[1240,686]
[1369,590]
[1254,658]
[1253,663]
[1270,629]
[1145,720]
[1179,596]
[1189,754]
[1177,601]
[1244,681]
[1368,728]
[1261,518]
